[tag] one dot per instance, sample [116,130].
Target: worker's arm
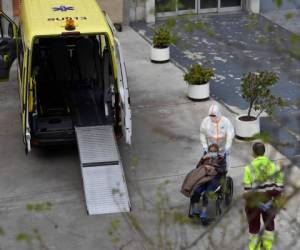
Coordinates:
[279,199]
[203,136]
[229,135]
[247,183]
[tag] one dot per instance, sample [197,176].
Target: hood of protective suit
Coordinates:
[215,110]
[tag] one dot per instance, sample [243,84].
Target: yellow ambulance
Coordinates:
[71,70]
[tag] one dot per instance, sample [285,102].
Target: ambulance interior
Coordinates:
[73,83]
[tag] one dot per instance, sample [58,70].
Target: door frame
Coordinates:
[198,10]
[178,12]
[207,10]
[229,9]
[219,9]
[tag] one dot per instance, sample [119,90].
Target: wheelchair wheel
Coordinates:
[190,215]
[218,207]
[228,191]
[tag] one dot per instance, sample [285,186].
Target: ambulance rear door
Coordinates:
[122,85]
[8,52]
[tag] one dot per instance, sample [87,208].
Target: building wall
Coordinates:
[268,5]
[113,8]
[118,10]
[10,7]
[16,7]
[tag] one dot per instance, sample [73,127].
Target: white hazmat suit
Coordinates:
[216,128]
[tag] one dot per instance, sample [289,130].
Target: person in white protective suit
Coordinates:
[217,129]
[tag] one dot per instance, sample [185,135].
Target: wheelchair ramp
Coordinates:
[102,171]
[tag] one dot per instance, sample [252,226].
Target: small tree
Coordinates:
[255,87]
[161,37]
[198,75]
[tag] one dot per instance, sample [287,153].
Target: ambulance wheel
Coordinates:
[190,215]
[218,207]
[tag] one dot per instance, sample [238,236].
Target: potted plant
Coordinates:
[255,88]
[160,50]
[197,79]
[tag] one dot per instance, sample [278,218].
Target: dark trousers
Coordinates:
[210,186]
[253,217]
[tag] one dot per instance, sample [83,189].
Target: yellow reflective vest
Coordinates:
[263,178]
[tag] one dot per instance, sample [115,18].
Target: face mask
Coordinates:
[213,154]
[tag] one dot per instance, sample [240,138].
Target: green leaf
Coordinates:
[2,233]
[255,88]
[171,22]
[278,3]
[188,27]
[295,38]
[180,218]
[200,25]
[23,237]
[161,37]
[39,207]
[29,207]
[198,75]
[210,32]
[264,137]
[289,15]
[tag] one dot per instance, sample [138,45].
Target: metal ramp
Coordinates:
[102,171]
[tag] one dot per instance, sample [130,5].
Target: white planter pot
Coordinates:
[198,92]
[254,6]
[160,55]
[246,129]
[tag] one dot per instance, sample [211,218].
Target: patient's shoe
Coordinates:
[195,211]
[204,219]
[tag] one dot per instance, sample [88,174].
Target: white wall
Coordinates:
[253,6]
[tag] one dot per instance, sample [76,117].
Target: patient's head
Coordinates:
[213,148]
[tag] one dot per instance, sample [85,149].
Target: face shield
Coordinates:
[214,118]
[214,113]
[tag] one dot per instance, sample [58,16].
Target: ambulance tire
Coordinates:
[118,27]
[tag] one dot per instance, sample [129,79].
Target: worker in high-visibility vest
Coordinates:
[263,185]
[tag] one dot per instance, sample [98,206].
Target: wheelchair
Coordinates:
[223,195]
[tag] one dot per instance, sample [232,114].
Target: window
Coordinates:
[5,28]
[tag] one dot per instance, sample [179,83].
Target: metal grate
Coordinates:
[96,144]
[105,190]
[102,172]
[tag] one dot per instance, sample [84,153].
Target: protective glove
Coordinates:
[227,152]
[265,206]
[205,150]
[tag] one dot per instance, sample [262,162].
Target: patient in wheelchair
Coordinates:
[214,163]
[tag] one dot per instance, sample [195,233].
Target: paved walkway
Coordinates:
[234,44]
[165,147]
[288,19]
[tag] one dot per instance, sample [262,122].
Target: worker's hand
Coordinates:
[205,150]
[265,206]
[206,156]
[227,152]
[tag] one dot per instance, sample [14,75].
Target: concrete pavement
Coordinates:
[165,147]
[288,19]
[234,44]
